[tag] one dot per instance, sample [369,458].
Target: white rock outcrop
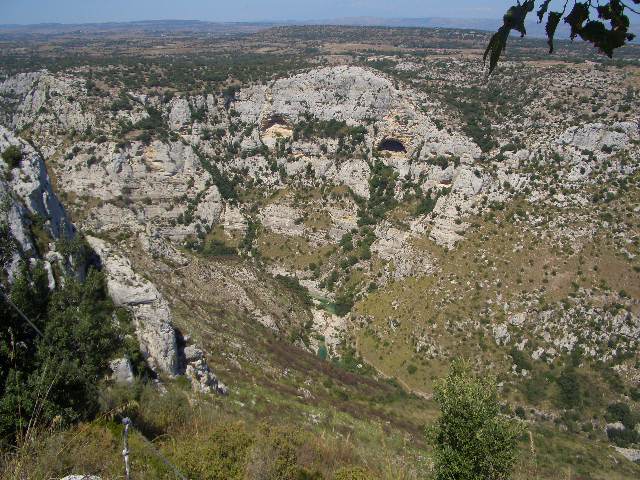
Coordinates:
[179,113]
[198,372]
[121,369]
[631,454]
[26,195]
[150,310]
[597,137]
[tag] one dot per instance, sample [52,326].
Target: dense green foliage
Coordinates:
[382,184]
[471,440]
[627,436]
[7,246]
[250,236]
[312,127]
[153,125]
[54,377]
[581,19]
[293,285]
[225,186]
[12,156]
[344,303]
[217,248]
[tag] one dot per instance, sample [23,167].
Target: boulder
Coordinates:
[501,334]
[121,369]
[198,372]
[629,453]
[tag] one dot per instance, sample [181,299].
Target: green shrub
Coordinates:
[471,439]
[216,455]
[620,412]
[217,248]
[426,205]
[12,156]
[520,360]
[70,358]
[570,389]
[344,303]
[293,284]
[623,438]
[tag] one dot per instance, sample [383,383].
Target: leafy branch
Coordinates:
[606,26]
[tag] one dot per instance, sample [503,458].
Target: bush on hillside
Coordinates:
[623,438]
[54,377]
[12,156]
[221,453]
[471,439]
[621,412]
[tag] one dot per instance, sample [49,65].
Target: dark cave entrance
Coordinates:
[391,145]
[274,120]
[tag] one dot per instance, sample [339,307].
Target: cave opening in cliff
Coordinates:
[391,145]
[274,120]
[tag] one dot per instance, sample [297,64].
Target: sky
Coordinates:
[84,11]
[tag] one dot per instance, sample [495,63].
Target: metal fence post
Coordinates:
[125,452]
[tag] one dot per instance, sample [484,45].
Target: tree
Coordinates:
[471,439]
[12,156]
[56,375]
[581,19]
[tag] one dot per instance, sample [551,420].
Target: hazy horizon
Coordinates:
[27,12]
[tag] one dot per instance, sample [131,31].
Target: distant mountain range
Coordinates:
[172,26]
[149,26]
[534,29]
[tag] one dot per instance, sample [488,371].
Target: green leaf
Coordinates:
[552,24]
[605,40]
[495,48]
[579,14]
[543,9]
[512,20]
[516,15]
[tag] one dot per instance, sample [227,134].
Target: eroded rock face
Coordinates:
[354,174]
[52,98]
[331,327]
[197,371]
[180,113]
[282,219]
[395,246]
[341,93]
[164,191]
[26,196]
[154,328]
[151,313]
[598,137]
[357,96]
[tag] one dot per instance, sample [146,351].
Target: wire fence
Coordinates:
[128,424]
[126,452]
